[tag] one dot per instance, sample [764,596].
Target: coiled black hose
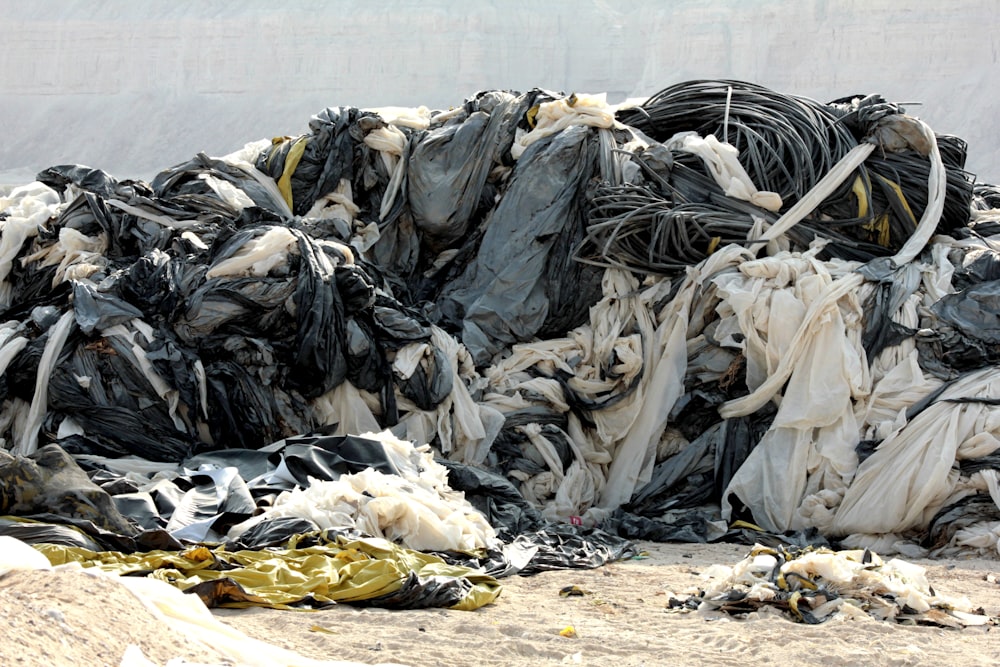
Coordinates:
[786,143]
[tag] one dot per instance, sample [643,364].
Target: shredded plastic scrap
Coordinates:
[817,585]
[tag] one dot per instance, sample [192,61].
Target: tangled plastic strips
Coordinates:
[632,227]
[675,216]
[786,143]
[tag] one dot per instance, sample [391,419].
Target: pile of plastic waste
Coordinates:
[722,308]
[814,586]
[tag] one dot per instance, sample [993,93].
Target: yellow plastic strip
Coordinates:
[902,199]
[861,192]
[291,162]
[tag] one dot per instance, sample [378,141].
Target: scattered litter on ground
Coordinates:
[815,586]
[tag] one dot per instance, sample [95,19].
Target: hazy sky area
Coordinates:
[135,87]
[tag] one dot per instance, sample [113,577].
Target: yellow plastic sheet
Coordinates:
[340,571]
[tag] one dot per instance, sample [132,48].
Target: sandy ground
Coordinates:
[62,618]
[622,620]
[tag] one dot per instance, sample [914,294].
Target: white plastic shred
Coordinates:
[415,508]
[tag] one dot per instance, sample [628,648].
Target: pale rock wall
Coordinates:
[133,87]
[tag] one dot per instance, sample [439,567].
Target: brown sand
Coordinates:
[68,618]
[621,621]
[56,618]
